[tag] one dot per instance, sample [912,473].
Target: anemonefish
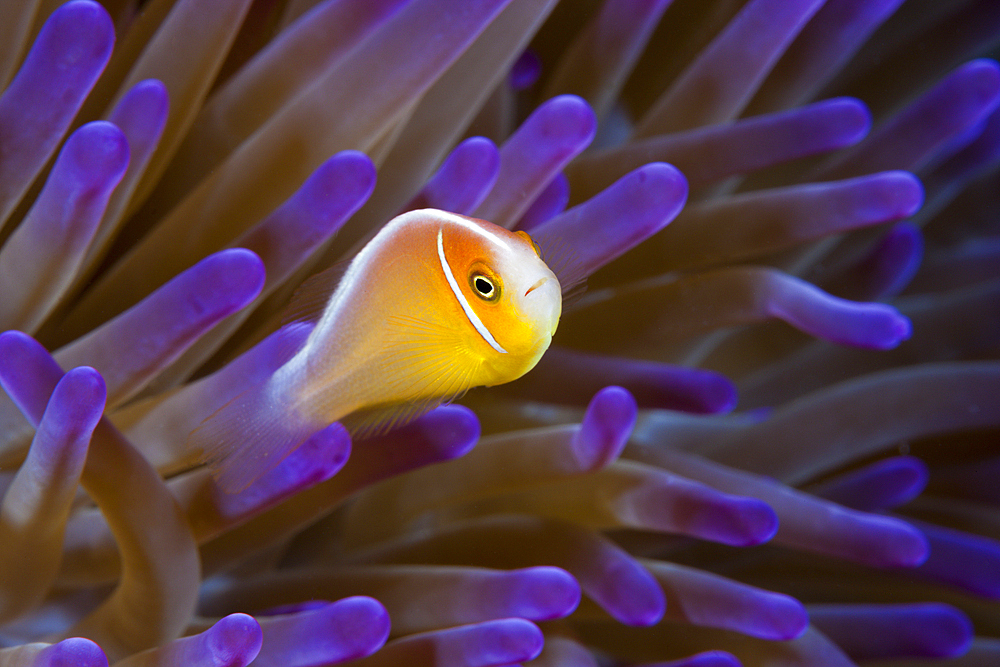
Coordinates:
[435,304]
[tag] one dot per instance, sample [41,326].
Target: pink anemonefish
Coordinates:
[435,304]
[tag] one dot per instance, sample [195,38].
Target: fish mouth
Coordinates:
[545,307]
[538,284]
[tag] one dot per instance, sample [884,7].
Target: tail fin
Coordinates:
[249,436]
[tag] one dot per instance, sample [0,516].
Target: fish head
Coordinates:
[512,300]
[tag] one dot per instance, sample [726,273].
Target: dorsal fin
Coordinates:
[310,298]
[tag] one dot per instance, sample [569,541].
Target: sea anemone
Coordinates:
[765,432]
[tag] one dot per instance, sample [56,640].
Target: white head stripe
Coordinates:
[462,301]
[474,228]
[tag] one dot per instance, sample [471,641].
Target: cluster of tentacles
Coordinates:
[765,434]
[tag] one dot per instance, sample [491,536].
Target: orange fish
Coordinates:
[435,304]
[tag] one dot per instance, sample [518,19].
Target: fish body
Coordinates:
[435,304]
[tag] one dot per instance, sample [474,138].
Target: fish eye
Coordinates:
[484,287]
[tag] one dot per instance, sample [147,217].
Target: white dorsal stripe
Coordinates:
[462,301]
[474,228]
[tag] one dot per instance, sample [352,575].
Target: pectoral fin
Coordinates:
[425,366]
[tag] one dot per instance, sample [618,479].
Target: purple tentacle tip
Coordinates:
[570,376]
[442,434]
[548,204]
[25,370]
[78,399]
[691,508]
[781,618]
[506,640]
[525,70]
[969,562]
[872,539]
[319,458]
[624,215]
[629,593]
[879,632]
[464,179]
[891,195]
[869,325]
[696,390]
[541,147]
[881,485]
[69,54]
[564,119]
[735,521]
[337,188]
[235,640]
[236,275]
[454,428]
[605,429]
[72,652]
[541,593]
[891,265]
[95,156]
[344,630]
[706,659]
